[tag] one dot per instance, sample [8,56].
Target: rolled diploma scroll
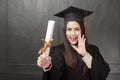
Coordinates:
[49,33]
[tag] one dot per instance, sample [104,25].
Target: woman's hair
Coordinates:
[70,54]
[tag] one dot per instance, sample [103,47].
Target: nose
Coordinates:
[72,32]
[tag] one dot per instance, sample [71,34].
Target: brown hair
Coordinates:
[70,53]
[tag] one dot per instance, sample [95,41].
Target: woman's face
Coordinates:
[73,30]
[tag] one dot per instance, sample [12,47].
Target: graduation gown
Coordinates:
[59,71]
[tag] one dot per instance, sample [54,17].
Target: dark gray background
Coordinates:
[23,24]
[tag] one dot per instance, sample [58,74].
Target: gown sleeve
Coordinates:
[57,66]
[99,69]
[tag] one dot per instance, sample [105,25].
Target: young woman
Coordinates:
[74,59]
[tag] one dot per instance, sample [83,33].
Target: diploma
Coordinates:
[49,33]
[50,29]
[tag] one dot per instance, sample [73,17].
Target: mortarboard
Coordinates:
[73,14]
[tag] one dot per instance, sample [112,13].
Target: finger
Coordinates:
[84,40]
[39,64]
[82,37]
[49,58]
[80,40]
[46,60]
[79,37]
[42,61]
[42,58]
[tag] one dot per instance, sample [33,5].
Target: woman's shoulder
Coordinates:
[91,46]
[58,49]
[93,50]
[58,46]
[56,52]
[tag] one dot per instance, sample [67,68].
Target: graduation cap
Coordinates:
[73,14]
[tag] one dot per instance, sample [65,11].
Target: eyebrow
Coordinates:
[75,27]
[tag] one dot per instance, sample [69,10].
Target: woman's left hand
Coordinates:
[80,48]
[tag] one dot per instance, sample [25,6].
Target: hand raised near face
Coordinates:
[80,48]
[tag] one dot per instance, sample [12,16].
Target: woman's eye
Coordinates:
[68,29]
[77,29]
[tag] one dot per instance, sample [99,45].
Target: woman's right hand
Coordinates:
[44,61]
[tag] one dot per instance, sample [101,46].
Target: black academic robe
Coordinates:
[99,69]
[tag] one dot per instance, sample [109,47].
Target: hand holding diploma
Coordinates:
[44,60]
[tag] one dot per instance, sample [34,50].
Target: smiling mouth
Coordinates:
[73,39]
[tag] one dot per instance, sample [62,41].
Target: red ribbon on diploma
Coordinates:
[46,45]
